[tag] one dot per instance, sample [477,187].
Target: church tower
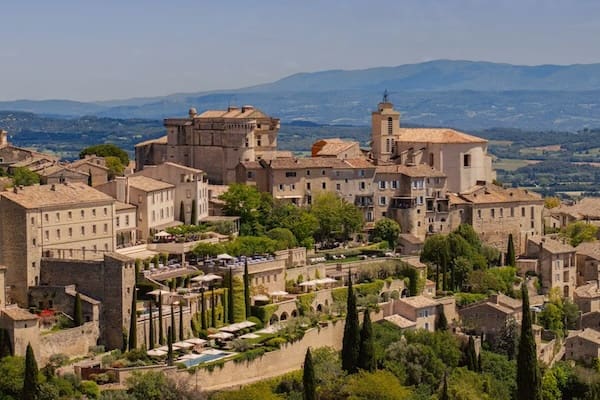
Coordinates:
[385,130]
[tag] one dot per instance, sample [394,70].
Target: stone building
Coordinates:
[583,346]
[461,157]
[491,316]
[13,157]
[495,212]
[110,280]
[588,262]
[125,224]
[94,165]
[60,174]
[586,209]
[556,264]
[215,141]
[72,216]
[191,189]
[419,309]
[587,297]
[337,148]
[154,200]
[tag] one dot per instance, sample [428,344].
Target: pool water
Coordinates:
[203,358]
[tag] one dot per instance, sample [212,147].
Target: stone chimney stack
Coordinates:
[3,138]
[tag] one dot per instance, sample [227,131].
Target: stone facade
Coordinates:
[191,189]
[72,217]
[214,141]
[583,346]
[556,263]
[419,309]
[74,342]
[588,262]
[491,316]
[110,281]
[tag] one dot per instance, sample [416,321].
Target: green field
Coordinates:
[509,164]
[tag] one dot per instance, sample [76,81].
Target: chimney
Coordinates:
[3,138]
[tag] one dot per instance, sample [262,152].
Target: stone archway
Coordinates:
[320,308]
[294,313]
[284,316]
[274,319]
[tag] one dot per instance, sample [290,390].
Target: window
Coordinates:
[250,175]
[153,215]
[493,213]
[127,220]
[308,172]
[82,213]
[32,220]
[293,187]
[93,212]
[512,211]
[361,185]
[431,159]
[501,212]
[47,235]
[105,211]
[382,185]
[324,185]
[83,230]
[34,242]
[394,184]
[58,234]
[522,211]
[57,217]
[478,213]
[280,187]
[390,122]
[466,160]
[322,172]
[70,232]
[118,222]
[382,200]
[46,217]
[338,186]
[162,213]
[361,173]
[259,142]
[94,229]
[70,215]
[105,228]
[290,174]
[532,212]
[307,185]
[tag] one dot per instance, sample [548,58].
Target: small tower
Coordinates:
[385,129]
[3,138]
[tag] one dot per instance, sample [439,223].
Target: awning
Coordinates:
[224,256]
[183,345]
[163,234]
[196,341]
[159,292]
[206,278]
[156,353]
[221,335]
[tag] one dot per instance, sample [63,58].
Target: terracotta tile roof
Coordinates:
[40,196]
[307,163]
[419,301]
[251,164]
[400,321]
[359,163]
[586,207]
[456,199]
[87,162]
[551,245]
[147,184]
[437,135]
[490,193]
[588,334]
[47,171]
[19,314]
[331,147]
[590,290]
[160,140]
[123,206]
[590,249]
[417,171]
[249,113]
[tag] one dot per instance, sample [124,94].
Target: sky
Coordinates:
[117,49]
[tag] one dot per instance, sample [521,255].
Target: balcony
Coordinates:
[403,203]
[363,201]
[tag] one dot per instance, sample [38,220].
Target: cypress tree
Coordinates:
[133,323]
[470,355]
[31,385]
[77,311]
[366,353]
[194,219]
[169,346]
[510,252]
[182,212]
[444,394]
[181,321]
[529,382]
[351,340]
[479,366]
[230,308]
[173,333]
[441,322]
[309,391]
[89,180]
[247,290]
[202,310]
[161,336]
[213,305]
[151,329]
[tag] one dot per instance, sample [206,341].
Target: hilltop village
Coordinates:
[215,246]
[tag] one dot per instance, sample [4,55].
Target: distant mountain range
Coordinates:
[462,94]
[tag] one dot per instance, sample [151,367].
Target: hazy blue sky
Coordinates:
[93,50]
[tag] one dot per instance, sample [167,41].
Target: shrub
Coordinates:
[275,342]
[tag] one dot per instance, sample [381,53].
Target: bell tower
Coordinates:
[385,129]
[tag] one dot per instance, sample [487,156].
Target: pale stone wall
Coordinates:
[588,269]
[580,349]
[74,342]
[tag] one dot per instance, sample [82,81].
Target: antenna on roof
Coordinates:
[385,96]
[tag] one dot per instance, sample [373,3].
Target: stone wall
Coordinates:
[73,342]
[288,359]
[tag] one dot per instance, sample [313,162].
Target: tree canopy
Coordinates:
[106,150]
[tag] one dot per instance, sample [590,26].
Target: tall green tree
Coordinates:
[529,382]
[351,340]
[77,311]
[194,218]
[182,212]
[437,252]
[173,333]
[309,387]
[471,355]
[579,232]
[24,177]
[247,289]
[161,335]
[181,335]
[511,258]
[230,300]
[366,352]
[444,394]
[31,384]
[169,346]
[89,179]
[387,229]
[213,306]
[133,322]
[442,321]
[202,310]
[151,338]
[243,201]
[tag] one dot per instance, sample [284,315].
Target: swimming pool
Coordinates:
[203,358]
